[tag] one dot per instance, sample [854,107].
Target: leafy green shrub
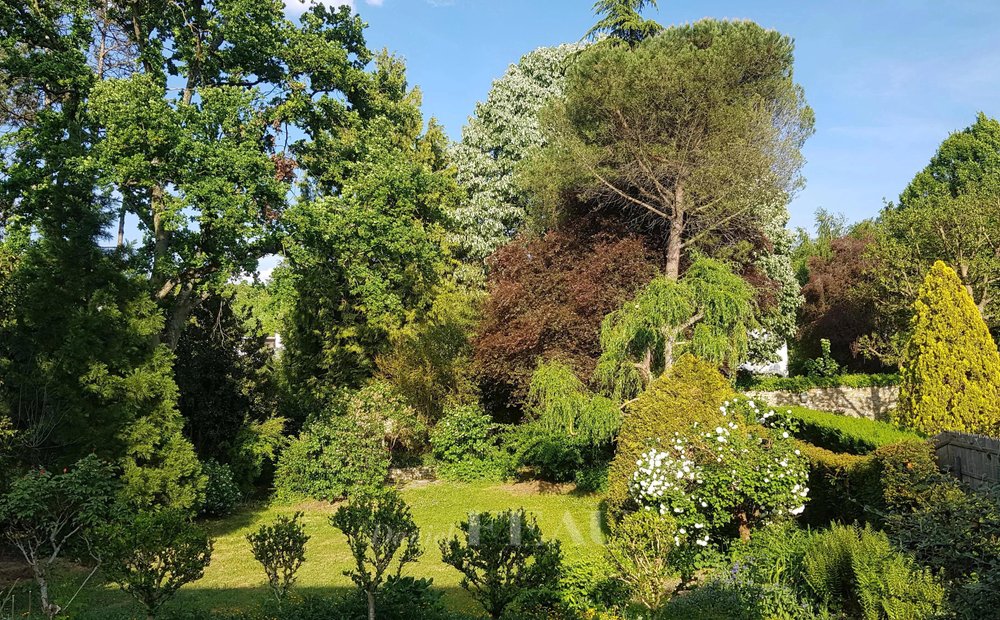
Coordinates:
[333,457]
[726,480]
[380,403]
[221,492]
[47,516]
[280,548]
[824,365]
[553,456]
[642,548]
[802,383]
[503,558]
[841,433]
[733,597]
[692,391]
[947,527]
[845,571]
[841,486]
[950,370]
[467,444]
[590,586]
[152,555]
[593,479]
[378,526]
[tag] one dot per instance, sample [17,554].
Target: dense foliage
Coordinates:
[502,132]
[332,457]
[504,559]
[153,554]
[548,296]
[691,391]
[950,372]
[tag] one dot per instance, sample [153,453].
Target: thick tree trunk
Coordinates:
[674,235]
[371,605]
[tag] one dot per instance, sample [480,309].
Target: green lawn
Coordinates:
[235,581]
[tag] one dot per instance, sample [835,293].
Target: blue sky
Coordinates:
[888,79]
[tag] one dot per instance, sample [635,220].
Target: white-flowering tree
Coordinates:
[739,474]
[502,132]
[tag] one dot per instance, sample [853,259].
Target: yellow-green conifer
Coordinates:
[950,371]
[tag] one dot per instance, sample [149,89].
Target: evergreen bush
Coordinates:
[950,370]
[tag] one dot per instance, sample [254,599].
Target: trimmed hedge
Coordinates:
[766,383]
[850,487]
[841,486]
[841,433]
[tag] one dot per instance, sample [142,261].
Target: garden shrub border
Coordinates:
[841,433]
[802,383]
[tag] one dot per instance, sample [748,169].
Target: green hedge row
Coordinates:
[849,487]
[767,383]
[841,433]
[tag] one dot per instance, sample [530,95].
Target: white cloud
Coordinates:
[375,2]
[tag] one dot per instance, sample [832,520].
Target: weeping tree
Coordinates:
[562,404]
[709,312]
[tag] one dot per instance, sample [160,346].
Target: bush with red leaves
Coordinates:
[548,296]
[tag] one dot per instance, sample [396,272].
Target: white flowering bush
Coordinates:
[725,480]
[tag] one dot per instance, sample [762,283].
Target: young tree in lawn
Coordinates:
[280,548]
[950,371]
[49,516]
[378,526]
[502,558]
[153,554]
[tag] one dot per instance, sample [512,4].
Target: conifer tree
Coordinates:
[950,367]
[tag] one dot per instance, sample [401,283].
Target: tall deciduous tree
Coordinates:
[950,371]
[503,131]
[949,212]
[548,296]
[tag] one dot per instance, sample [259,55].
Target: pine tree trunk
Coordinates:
[674,235]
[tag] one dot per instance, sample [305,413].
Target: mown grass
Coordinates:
[234,581]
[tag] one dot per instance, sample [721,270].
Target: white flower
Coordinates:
[797,511]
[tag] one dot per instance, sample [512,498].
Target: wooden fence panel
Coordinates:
[974,459]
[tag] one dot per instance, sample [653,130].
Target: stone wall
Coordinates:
[873,403]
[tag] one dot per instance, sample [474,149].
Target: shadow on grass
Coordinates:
[102,601]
